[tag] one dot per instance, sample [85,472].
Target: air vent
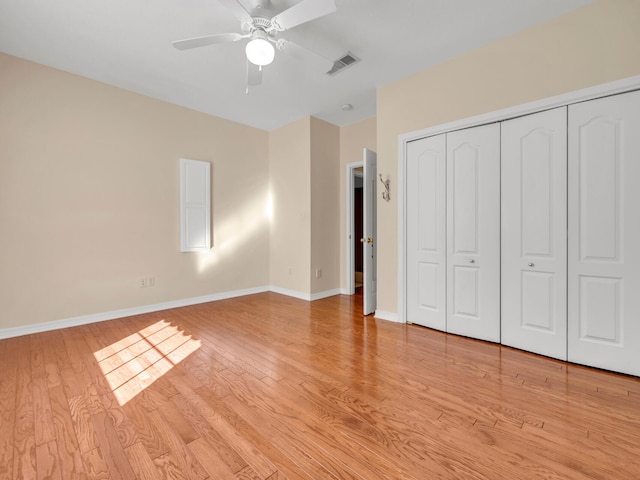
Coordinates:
[342,63]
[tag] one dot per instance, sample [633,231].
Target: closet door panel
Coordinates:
[426,232]
[537,301]
[473,232]
[534,225]
[604,233]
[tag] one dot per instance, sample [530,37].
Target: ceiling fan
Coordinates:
[262,32]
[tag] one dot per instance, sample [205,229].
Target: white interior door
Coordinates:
[426,232]
[534,233]
[604,233]
[369,232]
[473,232]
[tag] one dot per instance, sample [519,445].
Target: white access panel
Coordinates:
[534,233]
[195,205]
[473,232]
[426,232]
[604,233]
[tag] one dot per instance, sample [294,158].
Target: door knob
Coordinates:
[362,240]
[472,261]
[369,240]
[531,264]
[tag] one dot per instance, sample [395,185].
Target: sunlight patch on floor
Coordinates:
[132,364]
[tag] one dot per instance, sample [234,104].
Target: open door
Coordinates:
[369,232]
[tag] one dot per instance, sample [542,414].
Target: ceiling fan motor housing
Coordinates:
[256,24]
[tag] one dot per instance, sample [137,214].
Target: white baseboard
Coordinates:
[290,293]
[309,297]
[325,294]
[126,312]
[390,316]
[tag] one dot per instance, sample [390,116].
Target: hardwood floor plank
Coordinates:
[112,450]
[207,376]
[207,455]
[7,405]
[179,458]
[248,473]
[68,450]
[96,466]
[48,343]
[24,459]
[24,444]
[334,457]
[277,476]
[47,460]
[247,356]
[293,428]
[225,452]
[42,415]
[353,416]
[82,423]
[158,393]
[552,461]
[147,432]
[141,463]
[245,428]
[271,387]
[171,466]
[246,450]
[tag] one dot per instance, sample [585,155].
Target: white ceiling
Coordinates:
[127,43]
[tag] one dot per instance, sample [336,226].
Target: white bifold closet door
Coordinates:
[604,233]
[426,232]
[473,232]
[453,232]
[534,233]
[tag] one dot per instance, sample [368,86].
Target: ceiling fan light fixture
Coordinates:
[260,52]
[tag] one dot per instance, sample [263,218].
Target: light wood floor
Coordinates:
[269,387]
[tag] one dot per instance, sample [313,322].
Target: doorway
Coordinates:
[354,188]
[357,226]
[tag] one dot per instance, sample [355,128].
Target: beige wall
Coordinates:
[290,171]
[325,205]
[304,159]
[89,198]
[590,46]
[353,139]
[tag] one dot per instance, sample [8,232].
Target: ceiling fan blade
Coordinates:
[303,12]
[292,48]
[236,8]
[207,40]
[254,75]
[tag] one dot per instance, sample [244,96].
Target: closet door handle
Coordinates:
[531,264]
[472,261]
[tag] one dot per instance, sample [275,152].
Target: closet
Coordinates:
[527,232]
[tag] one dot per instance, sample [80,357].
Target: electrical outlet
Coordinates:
[290,270]
[143,282]
[318,272]
[151,281]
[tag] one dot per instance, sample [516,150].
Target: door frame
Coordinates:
[611,88]
[349,230]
